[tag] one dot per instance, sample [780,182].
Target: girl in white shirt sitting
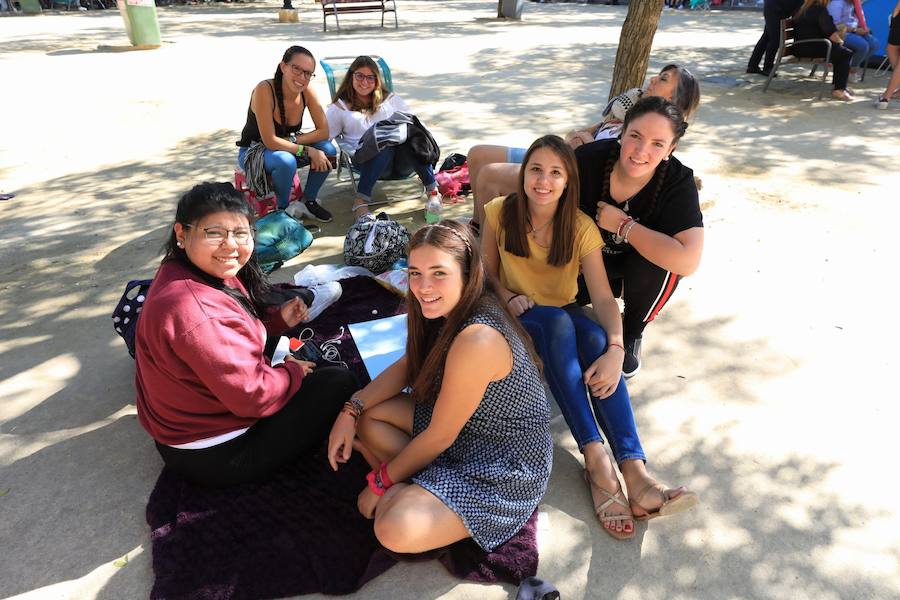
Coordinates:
[362,100]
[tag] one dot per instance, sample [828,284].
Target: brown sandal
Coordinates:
[675,501]
[616,498]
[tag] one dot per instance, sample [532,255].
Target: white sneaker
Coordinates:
[324,295]
[882,103]
[855,77]
[299,211]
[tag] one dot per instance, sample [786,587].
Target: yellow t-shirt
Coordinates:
[533,276]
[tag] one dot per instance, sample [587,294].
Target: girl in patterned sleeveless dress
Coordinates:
[534,243]
[470,446]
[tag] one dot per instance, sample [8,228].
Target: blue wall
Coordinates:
[877,12]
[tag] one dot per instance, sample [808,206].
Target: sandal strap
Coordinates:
[611,499]
[651,486]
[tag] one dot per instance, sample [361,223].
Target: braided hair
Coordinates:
[645,106]
[279,77]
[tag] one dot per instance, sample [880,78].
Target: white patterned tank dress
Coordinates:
[495,473]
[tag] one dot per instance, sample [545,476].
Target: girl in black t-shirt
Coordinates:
[645,203]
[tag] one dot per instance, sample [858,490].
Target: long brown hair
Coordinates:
[428,340]
[514,218]
[687,92]
[807,4]
[346,92]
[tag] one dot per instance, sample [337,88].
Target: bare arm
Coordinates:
[679,254]
[602,377]
[477,356]
[490,253]
[263,105]
[388,384]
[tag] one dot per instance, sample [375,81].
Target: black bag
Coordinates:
[453,161]
[375,243]
[126,314]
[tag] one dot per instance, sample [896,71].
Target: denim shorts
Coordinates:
[515,155]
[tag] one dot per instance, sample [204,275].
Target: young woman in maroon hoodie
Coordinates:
[219,412]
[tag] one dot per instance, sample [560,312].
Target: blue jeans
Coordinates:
[569,342]
[375,167]
[281,166]
[862,46]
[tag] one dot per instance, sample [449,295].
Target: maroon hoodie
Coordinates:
[200,367]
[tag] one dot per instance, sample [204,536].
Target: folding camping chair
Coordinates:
[336,67]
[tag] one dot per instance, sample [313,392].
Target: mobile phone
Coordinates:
[306,351]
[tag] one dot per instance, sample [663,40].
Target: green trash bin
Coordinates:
[140,22]
[30,7]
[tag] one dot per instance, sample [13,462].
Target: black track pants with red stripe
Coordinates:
[644,286]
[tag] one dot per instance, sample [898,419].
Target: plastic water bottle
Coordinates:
[433,208]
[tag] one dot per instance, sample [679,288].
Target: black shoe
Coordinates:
[754,71]
[767,71]
[318,211]
[632,363]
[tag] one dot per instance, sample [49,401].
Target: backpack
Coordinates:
[126,314]
[375,243]
[279,238]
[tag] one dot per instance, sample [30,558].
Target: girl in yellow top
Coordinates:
[534,243]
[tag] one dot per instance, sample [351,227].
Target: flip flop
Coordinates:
[672,503]
[616,498]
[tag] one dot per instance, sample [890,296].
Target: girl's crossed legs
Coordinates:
[408,518]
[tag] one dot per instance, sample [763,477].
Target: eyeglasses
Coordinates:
[361,77]
[301,72]
[216,236]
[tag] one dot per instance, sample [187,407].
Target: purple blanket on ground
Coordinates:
[299,532]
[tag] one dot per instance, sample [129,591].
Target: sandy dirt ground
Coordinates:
[767,383]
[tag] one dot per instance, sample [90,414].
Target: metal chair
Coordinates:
[786,54]
[337,66]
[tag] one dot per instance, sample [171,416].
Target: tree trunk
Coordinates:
[635,42]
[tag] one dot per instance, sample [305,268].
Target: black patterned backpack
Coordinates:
[375,243]
[126,313]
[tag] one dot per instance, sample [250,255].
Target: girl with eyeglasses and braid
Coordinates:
[646,205]
[534,242]
[273,128]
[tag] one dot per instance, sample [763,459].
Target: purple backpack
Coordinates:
[126,314]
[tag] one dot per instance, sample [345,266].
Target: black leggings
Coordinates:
[644,286]
[840,60]
[298,428]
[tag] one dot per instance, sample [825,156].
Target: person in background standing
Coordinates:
[773,12]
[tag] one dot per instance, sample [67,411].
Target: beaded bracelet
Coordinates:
[624,222]
[627,229]
[615,345]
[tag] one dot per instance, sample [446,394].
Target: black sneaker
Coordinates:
[318,211]
[632,363]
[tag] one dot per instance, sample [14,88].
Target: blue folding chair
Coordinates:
[335,67]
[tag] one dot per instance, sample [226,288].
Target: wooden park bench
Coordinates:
[340,7]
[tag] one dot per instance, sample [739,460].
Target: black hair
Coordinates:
[205,199]
[279,76]
[687,92]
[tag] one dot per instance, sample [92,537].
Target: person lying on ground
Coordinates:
[645,203]
[493,169]
[274,121]
[468,452]
[535,242]
[219,412]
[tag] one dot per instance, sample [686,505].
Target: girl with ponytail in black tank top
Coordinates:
[275,117]
[646,205]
